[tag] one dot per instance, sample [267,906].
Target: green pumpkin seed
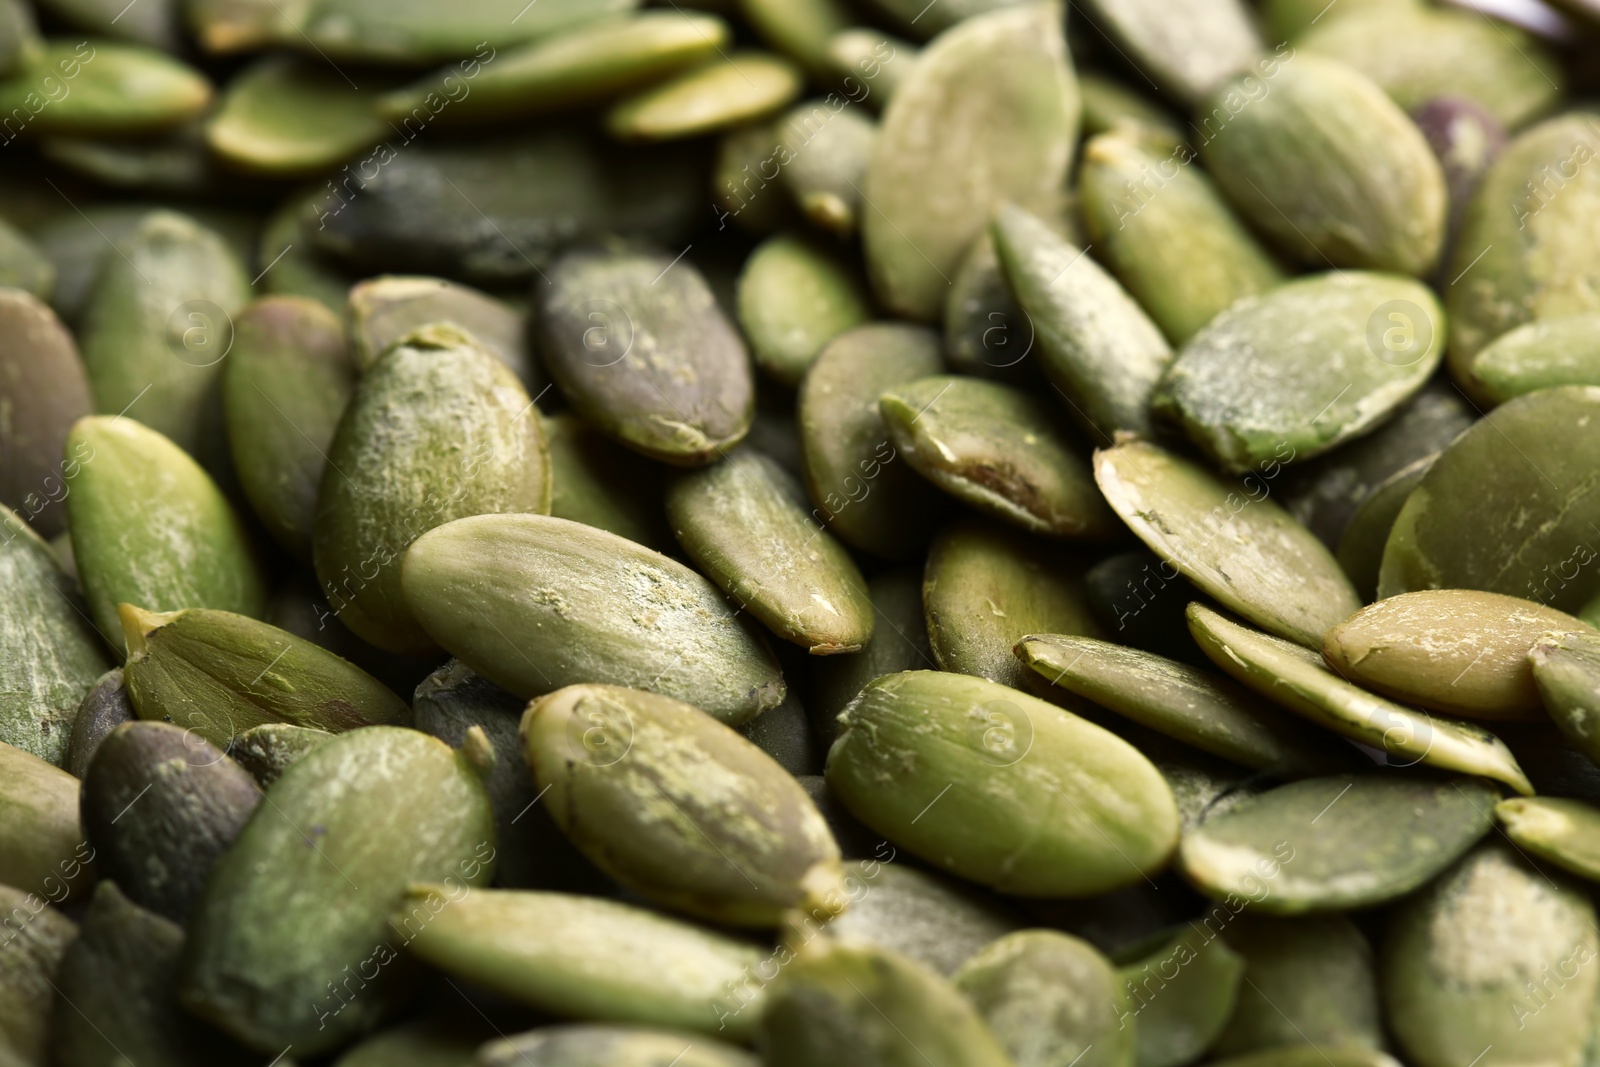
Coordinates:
[942,164]
[611,1046]
[865,493]
[1566,668]
[266,751]
[1314,155]
[1195,707]
[30,957]
[828,145]
[1374,838]
[900,643]
[286,116]
[158,26]
[1452,650]
[641,350]
[287,255]
[874,57]
[793,299]
[610,611]
[1236,545]
[20,43]
[438,1041]
[726,91]
[1417,54]
[383,310]
[224,27]
[1098,347]
[1297,679]
[581,957]
[746,167]
[23,264]
[103,88]
[280,922]
[869,1006]
[1493,960]
[157,328]
[987,335]
[1362,543]
[283,392]
[1307,981]
[1508,507]
[115,994]
[585,65]
[601,484]
[174,162]
[1140,600]
[1565,832]
[1167,233]
[438,430]
[105,707]
[970,776]
[1288,19]
[42,848]
[1527,248]
[936,922]
[1189,50]
[1109,105]
[160,805]
[1307,366]
[743,522]
[1050,999]
[1539,355]
[496,211]
[1180,996]
[150,528]
[1312,1056]
[800,30]
[986,587]
[999,449]
[218,674]
[626,773]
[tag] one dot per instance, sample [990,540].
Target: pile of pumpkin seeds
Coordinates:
[899,533]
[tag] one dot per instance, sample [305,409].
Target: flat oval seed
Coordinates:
[282,917]
[1328,166]
[739,183]
[23,264]
[999,449]
[1312,1056]
[157,328]
[159,808]
[828,151]
[744,524]
[440,1040]
[1531,255]
[724,92]
[105,707]
[1508,507]
[1188,49]
[1165,230]
[1109,105]
[800,29]
[986,333]
[150,528]
[608,1046]
[943,162]
[1417,54]
[37,937]
[1361,544]
[599,483]
[266,751]
[610,611]
[42,847]
[415,32]
[868,1006]
[1234,544]
[1096,343]
[794,298]
[1563,831]
[1539,355]
[1297,679]
[1174,1025]
[1566,668]
[1307,981]
[1195,707]
[937,922]
[382,310]
[986,587]
[869,53]
[864,491]
[1337,843]
[283,390]
[1050,999]
[115,89]
[438,430]
[1453,650]
[43,385]
[1307,366]
[578,956]
[1467,962]
[970,776]
[286,116]
[641,350]
[680,808]
[584,65]
[218,674]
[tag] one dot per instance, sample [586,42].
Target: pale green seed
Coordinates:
[723,93]
[795,297]
[1539,355]
[1188,49]
[287,116]
[1565,832]
[1179,996]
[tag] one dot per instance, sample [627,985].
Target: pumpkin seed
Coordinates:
[266,751]
[287,116]
[103,88]
[611,1046]
[383,310]
[793,299]
[724,92]
[800,30]
[829,145]
[105,707]
[29,959]
[599,483]
[441,1041]
[937,922]
[1565,832]
[1539,355]
[1109,105]
[1362,543]
[23,264]
[19,37]
[900,643]
[874,56]
[1179,996]
[1566,668]
[42,848]
[1188,50]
